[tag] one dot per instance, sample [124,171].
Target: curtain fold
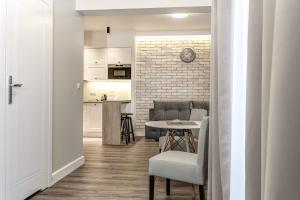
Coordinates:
[253,102]
[273,96]
[283,142]
[267,54]
[221,92]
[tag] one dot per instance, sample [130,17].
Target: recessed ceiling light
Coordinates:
[179,15]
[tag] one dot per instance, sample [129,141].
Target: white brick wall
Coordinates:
[161,75]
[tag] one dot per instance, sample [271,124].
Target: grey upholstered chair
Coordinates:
[182,166]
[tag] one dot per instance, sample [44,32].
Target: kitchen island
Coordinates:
[111,122]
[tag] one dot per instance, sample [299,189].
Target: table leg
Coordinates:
[187,144]
[192,141]
[165,145]
[172,139]
[194,190]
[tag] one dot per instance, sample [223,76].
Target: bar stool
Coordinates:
[126,127]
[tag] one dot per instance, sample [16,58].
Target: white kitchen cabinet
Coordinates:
[95,64]
[119,56]
[95,56]
[92,120]
[95,72]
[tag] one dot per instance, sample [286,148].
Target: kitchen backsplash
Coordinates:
[115,90]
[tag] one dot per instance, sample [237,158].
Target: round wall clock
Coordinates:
[187,55]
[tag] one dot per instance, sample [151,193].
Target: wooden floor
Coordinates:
[114,172]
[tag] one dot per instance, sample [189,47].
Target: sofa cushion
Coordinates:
[170,110]
[198,114]
[201,105]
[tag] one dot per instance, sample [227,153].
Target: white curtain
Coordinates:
[221,99]
[273,96]
[272,132]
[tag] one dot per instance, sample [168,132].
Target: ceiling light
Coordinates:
[179,15]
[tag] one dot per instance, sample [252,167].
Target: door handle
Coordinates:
[10,88]
[16,85]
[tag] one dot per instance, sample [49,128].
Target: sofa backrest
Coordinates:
[201,105]
[171,110]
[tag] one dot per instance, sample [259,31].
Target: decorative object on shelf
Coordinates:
[104,97]
[187,55]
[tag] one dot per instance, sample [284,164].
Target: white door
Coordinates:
[28,61]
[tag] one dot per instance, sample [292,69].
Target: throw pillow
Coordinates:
[198,114]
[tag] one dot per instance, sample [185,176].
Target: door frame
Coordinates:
[3,98]
[50,95]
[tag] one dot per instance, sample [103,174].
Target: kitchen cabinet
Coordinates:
[119,56]
[92,120]
[95,72]
[96,61]
[95,64]
[95,56]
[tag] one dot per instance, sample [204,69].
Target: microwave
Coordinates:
[119,71]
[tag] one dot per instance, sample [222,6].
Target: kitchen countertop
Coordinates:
[121,101]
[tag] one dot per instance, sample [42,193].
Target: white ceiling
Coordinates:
[159,22]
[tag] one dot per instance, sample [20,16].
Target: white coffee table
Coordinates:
[173,139]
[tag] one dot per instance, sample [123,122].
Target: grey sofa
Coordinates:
[171,110]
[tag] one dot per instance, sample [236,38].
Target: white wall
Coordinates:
[2,100]
[95,39]
[121,39]
[68,71]
[100,39]
[88,7]
[135,4]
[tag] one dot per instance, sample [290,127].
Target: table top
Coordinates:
[178,126]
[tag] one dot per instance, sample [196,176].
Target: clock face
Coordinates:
[187,55]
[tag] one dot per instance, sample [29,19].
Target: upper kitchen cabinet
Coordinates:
[95,57]
[95,72]
[119,56]
[95,64]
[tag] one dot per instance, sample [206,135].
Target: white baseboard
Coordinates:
[67,169]
[139,132]
[92,134]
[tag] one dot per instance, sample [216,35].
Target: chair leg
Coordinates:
[168,187]
[125,131]
[201,192]
[131,129]
[122,129]
[151,187]
[128,129]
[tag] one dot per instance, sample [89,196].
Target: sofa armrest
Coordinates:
[151,114]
